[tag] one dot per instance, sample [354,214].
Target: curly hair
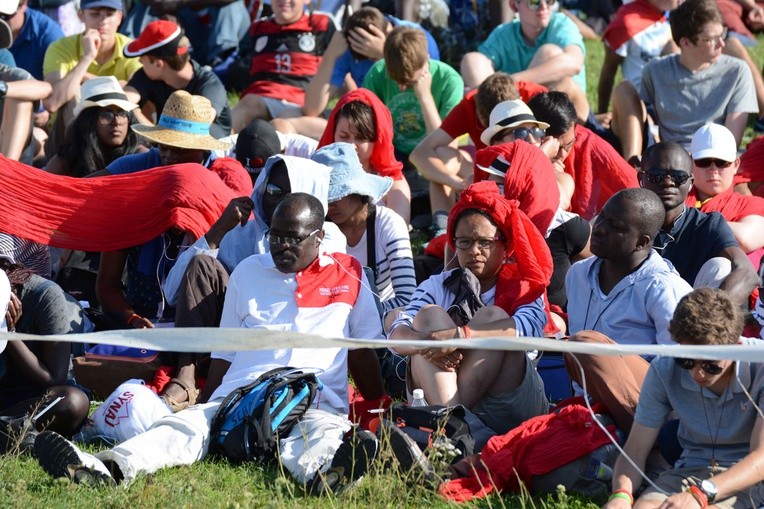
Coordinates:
[82,152]
[706,316]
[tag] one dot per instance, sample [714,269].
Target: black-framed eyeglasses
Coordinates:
[656,176]
[108,116]
[709,367]
[708,161]
[289,241]
[484,243]
[274,190]
[524,133]
[535,4]
[717,38]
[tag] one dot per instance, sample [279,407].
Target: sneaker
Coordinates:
[61,458]
[407,453]
[350,463]
[17,435]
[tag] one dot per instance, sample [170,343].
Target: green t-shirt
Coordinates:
[408,125]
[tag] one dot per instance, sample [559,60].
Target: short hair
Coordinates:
[362,18]
[691,16]
[651,214]
[361,117]
[496,88]
[295,202]
[706,316]
[176,62]
[405,53]
[666,147]
[556,109]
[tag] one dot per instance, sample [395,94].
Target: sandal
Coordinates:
[177,406]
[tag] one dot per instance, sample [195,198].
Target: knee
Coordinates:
[252,106]
[488,314]
[432,318]
[544,53]
[590,336]
[283,125]
[624,93]
[66,416]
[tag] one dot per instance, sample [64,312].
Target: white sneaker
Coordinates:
[61,458]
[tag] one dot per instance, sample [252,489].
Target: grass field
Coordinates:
[216,484]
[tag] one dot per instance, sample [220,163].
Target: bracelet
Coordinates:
[467,331]
[622,494]
[133,317]
[699,496]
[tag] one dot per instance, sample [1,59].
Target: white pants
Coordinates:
[184,438]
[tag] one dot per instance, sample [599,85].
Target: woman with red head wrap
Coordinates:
[498,291]
[360,118]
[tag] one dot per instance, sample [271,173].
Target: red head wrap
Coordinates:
[383,155]
[525,278]
[530,178]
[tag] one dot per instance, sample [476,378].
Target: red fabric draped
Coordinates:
[109,213]
[525,278]
[383,155]
[752,165]
[598,172]
[536,447]
[530,179]
[630,19]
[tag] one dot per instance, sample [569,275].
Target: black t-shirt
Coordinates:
[695,238]
[204,83]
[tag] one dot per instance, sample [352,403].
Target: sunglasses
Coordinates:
[657,175]
[524,134]
[274,190]
[535,4]
[707,162]
[709,367]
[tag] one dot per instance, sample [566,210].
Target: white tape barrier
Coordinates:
[217,339]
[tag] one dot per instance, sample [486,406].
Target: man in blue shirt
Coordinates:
[32,32]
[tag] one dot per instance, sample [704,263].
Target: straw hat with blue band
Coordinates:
[184,123]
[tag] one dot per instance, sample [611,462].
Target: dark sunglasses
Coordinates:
[524,133]
[657,175]
[707,162]
[709,367]
[274,190]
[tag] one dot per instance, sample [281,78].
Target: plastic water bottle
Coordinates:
[418,396]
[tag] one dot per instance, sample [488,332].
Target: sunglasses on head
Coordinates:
[656,176]
[707,162]
[709,367]
[535,4]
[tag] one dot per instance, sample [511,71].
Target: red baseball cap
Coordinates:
[160,39]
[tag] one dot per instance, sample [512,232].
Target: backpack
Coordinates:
[250,420]
[425,424]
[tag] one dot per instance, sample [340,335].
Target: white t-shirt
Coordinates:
[5,298]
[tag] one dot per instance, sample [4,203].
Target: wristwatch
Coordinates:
[3,89]
[709,488]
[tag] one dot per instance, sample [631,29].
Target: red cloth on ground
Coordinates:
[383,154]
[630,19]
[536,447]
[598,172]
[108,213]
[524,279]
[530,179]
[463,119]
[752,165]
[734,207]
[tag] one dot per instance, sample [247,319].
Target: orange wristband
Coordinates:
[467,331]
[701,497]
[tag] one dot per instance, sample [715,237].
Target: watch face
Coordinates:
[709,488]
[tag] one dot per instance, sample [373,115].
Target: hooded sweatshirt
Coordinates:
[637,310]
[305,176]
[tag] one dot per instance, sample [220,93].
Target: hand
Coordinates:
[604,119]
[13,313]
[756,18]
[446,359]
[423,85]
[369,43]
[683,500]
[140,323]
[550,146]
[91,42]
[237,212]
[337,45]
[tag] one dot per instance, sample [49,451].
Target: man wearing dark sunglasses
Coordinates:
[702,247]
[720,431]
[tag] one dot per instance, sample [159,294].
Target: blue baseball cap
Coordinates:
[109,4]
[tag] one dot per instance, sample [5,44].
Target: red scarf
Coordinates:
[525,279]
[109,213]
[530,179]
[752,164]
[383,154]
[630,19]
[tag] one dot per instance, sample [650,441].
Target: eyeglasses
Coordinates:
[535,4]
[484,243]
[524,133]
[274,190]
[657,175]
[108,116]
[716,39]
[289,241]
[709,367]
[708,161]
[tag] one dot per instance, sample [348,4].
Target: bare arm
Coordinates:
[475,68]
[423,92]
[736,122]
[432,167]
[399,199]
[743,278]
[15,127]
[65,87]
[625,476]
[749,232]
[28,90]
[45,371]
[746,472]
[607,78]
[320,90]
[109,289]
[567,64]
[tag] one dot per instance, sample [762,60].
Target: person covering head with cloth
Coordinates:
[718,404]
[498,291]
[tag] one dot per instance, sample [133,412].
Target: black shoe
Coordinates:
[61,458]
[410,458]
[350,463]
[17,435]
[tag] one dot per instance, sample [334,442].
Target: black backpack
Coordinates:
[250,420]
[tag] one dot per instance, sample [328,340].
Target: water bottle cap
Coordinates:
[418,394]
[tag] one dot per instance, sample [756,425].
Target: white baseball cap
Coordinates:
[714,141]
[9,7]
